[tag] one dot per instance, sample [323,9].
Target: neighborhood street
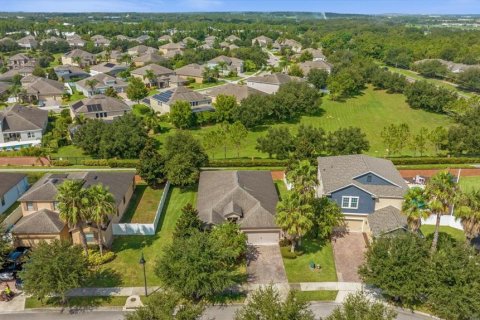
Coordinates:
[320,309]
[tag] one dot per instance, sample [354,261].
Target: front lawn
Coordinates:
[454,233]
[201,86]
[71,151]
[84,302]
[143,205]
[298,270]
[320,295]
[125,270]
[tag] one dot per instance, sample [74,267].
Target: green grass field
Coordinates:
[469,183]
[70,151]
[143,205]
[454,233]
[323,295]
[125,270]
[371,112]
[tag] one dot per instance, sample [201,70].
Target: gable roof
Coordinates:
[99,103]
[19,56]
[158,70]
[191,70]
[240,92]
[386,220]
[173,46]
[307,66]
[141,49]
[45,189]
[9,180]
[106,67]
[337,172]
[149,57]
[275,78]
[21,118]
[250,194]
[44,86]
[227,60]
[40,222]
[179,93]
[102,79]
[79,53]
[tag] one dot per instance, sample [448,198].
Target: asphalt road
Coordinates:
[212,313]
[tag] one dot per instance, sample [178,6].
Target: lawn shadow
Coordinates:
[134,202]
[229,296]
[105,277]
[312,245]
[444,239]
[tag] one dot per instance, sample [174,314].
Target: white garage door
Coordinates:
[354,225]
[263,238]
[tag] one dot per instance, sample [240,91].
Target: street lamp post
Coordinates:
[143,262]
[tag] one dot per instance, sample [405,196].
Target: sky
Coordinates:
[339,6]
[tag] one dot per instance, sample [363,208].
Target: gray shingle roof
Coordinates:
[103,80]
[20,118]
[9,180]
[386,220]
[45,189]
[191,70]
[251,194]
[40,222]
[100,103]
[155,68]
[339,171]
[180,93]
[276,78]
[240,92]
[47,87]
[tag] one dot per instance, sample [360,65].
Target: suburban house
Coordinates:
[46,92]
[12,186]
[232,38]
[307,66]
[51,39]
[70,73]
[162,101]
[140,49]
[4,87]
[189,40]
[368,190]
[108,68]
[247,198]
[10,74]
[226,64]
[100,41]
[147,58]
[75,41]
[21,127]
[294,45]
[165,38]
[451,66]
[99,84]
[142,38]
[28,42]
[99,107]
[262,41]
[162,75]
[113,56]
[19,61]
[210,40]
[317,54]
[270,83]
[79,58]
[122,37]
[238,91]
[172,49]
[40,217]
[191,71]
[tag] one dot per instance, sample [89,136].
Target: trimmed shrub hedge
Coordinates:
[61,163]
[248,163]
[434,160]
[112,163]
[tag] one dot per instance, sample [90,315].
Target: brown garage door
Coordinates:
[354,225]
[263,238]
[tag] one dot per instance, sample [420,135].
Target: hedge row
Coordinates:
[248,163]
[434,160]
[112,163]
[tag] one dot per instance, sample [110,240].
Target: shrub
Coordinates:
[433,160]
[61,163]
[95,259]
[112,163]
[287,254]
[248,163]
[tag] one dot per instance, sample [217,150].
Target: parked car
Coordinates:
[6,276]
[17,254]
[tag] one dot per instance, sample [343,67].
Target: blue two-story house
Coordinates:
[12,186]
[368,190]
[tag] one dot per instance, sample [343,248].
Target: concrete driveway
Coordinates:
[348,251]
[265,265]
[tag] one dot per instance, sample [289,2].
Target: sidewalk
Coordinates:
[111,292]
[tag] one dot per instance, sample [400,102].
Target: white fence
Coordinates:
[145,229]
[449,221]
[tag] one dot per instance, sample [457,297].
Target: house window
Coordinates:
[369,178]
[30,135]
[90,237]
[55,205]
[29,205]
[2,201]
[350,202]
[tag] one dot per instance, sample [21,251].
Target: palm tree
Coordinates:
[77,60]
[91,84]
[101,205]
[303,177]
[440,194]
[73,207]
[150,76]
[468,211]
[294,218]
[415,208]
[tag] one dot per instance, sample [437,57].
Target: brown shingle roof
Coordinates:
[20,118]
[40,222]
[240,92]
[101,103]
[250,194]
[386,220]
[155,68]
[276,78]
[47,87]
[191,70]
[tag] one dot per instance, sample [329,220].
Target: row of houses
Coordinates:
[368,190]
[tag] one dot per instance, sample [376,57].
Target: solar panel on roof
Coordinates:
[109,65]
[94,107]
[163,96]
